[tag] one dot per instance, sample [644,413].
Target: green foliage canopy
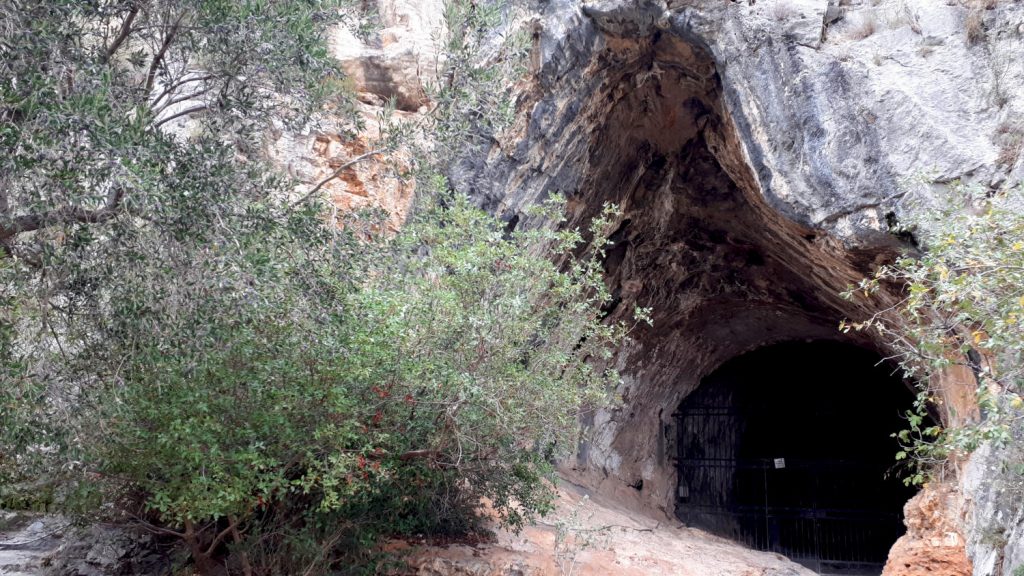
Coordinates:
[184,348]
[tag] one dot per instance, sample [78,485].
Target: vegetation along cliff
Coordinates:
[503,287]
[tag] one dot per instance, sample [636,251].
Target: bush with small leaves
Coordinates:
[963,305]
[183,348]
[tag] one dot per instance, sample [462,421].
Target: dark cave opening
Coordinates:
[789,449]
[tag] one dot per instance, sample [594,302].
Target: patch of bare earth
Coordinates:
[590,536]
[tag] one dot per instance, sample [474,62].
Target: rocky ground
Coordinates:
[587,536]
[51,545]
[26,540]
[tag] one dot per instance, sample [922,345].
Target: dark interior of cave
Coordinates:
[789,449]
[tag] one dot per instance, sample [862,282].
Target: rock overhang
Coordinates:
[735,228]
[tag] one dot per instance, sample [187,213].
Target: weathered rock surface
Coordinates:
[44,545]
[761,154]
[25,539]
[399,60]
[992,511]
[353,173]
[934,543]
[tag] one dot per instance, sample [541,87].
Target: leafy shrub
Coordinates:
[964,307]
[184,349]
[389,384]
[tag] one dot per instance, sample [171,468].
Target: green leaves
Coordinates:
[471,99]
[89,89]
[963,308]
[232,361]
[477,345]
[181,343]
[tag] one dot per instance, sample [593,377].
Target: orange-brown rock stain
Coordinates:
[933,544]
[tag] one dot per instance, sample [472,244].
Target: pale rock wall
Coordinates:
[993,515]
[399,60]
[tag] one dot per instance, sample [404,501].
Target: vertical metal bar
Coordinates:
[767,527]
[816,480]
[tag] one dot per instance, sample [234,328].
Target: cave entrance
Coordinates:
[789,449]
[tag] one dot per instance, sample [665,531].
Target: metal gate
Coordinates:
[817,512]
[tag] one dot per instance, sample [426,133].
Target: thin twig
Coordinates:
[170,88]
[146,525]
[220,538]
[185,112]
[158,58]
[324,550]
[157,111]
[237,537]
[335,174]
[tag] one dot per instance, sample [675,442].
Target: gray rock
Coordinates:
[25,541]
[759,170]
[995,517]
[107,551]
[834,13]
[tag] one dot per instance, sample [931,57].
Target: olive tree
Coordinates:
[93,181]
[187,349]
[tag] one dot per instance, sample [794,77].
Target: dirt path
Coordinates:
[591,537]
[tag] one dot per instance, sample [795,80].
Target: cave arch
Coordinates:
[789,449]
[725,267]
[740,222]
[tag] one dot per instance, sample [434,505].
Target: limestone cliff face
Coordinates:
[761,153]
[397,60]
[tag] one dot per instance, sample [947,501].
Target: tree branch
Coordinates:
[158,58]
[237,537]
[335,174]
[179,99]
[122,35]
[154,528]
[172,87]
[414,454]
[64,215]
[232,526]
[185,112]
